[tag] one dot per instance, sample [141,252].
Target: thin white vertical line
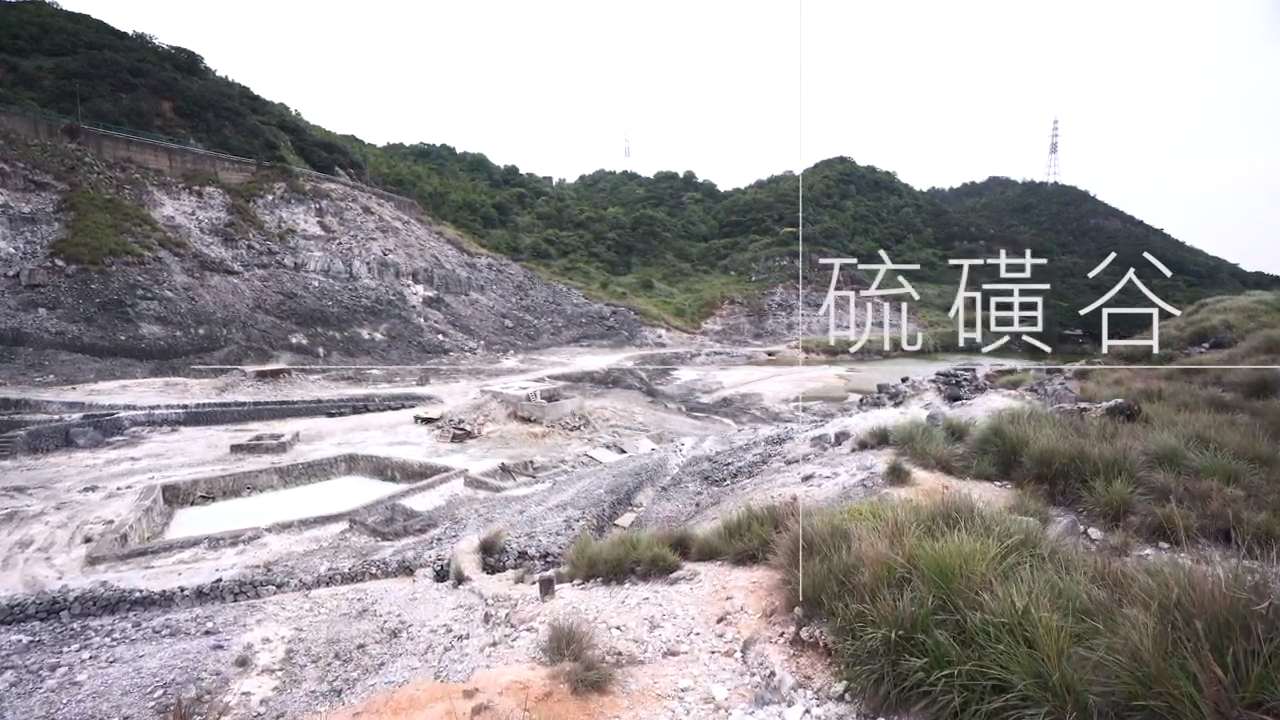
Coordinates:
[800,250]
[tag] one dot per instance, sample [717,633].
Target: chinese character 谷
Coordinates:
[1132,276]
[1020,314]
[875,290]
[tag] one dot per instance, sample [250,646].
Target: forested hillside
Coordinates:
[671,245]
[49,56]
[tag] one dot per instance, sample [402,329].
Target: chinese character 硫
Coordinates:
[1015,310]
[1132,276]
[874,291]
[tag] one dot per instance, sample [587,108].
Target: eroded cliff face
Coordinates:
[305,269]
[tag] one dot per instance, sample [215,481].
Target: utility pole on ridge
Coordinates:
[1051,171]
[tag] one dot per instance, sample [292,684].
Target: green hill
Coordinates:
[48,56]
[671,245]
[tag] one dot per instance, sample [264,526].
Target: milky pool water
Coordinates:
[323,498]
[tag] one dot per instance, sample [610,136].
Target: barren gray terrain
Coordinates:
[323,271]
[327,619]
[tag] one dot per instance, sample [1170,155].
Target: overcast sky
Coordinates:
[1169,110]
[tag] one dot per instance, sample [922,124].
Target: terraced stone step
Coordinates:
[8,443]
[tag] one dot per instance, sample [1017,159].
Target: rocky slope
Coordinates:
[783,314]
[311,269]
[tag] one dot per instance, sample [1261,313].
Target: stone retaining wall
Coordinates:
[68,605]
[51,436]
[185,493]
[42,406]
[177,161]
[140,533]
[505,476]
[47,406]
[151,516]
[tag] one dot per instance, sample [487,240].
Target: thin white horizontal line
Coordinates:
[569,369]
[1143,367]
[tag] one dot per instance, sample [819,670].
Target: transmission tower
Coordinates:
[1051,172]
[626,145]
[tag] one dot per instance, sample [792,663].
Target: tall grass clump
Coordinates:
[619,557]
[967,612]
[746,536]
[571,645]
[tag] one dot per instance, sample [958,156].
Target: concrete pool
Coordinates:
[335,495]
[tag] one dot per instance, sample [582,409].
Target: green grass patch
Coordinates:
[1013,381]
[621,556]
[1202,463]
[967,612]
[1232,317]
[103,226]
[743,537]
[746,536]
[1180,476]
[682,305]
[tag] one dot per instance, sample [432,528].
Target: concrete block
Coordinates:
[546,586]
[428,417]
[266,444]
[274,372]
[514,393]
[638,446]
[604,455]
[35,276]
[548,412]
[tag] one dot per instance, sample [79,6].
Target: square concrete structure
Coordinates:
[604,455]
[638,446]
[272,372]
[266,444]
[514,393]
[541,402]
[549,412]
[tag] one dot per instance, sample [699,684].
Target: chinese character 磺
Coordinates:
[1015,310]
[829,304]
[1132,276]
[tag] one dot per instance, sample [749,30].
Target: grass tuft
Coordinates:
[457,574]
[589,675]
[877,437]
[189,709]
[571,644]
[931,447]
[897,473]
[493,543]
[568,641]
